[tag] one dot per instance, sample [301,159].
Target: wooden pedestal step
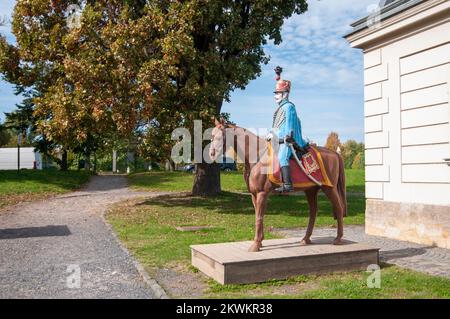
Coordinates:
[231,263]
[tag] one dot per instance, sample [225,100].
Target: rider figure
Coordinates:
[285,122]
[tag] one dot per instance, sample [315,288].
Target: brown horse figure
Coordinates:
[260,187]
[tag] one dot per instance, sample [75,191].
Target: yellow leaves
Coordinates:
[31,7]
[81,136]
[97,113]
[123,64]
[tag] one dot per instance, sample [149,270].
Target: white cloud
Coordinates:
[6,10]
[313,52]
[326,74]
[7,6]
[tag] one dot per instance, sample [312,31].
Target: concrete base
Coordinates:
[231,263]
[418,223]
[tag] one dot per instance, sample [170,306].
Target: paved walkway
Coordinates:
[45,245]
[431,260]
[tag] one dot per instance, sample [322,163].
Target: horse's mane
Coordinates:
[260,142]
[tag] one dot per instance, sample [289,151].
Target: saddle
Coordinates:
[312,162]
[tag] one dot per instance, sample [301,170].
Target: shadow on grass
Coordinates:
[241,204]
[68,180]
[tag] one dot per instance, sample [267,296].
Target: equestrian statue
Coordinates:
[284,162]
[285,124]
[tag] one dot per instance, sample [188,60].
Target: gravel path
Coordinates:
[431,260]
[62,248]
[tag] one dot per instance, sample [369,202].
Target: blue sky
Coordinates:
[326,74]
[7,98]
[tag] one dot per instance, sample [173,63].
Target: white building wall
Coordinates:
[8,158]
[407,116]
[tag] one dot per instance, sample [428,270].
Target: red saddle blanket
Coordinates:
[312,162]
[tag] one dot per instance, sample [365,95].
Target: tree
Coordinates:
[134,63]
[358,161]
[5,136]
[30,64]
[171,63]
[21,120]
[349,150]
[211,48]
[333,141]
[66,114]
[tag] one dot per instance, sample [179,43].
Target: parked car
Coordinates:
[190,168]
[228,165]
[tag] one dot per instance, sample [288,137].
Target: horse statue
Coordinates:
[260,186]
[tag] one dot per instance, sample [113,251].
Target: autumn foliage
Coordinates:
[137,67]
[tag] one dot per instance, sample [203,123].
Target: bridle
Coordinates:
[223,128]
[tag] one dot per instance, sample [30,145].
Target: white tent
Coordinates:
[8,158]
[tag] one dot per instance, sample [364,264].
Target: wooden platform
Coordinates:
[231,263]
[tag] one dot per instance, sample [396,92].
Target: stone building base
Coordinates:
[419,223]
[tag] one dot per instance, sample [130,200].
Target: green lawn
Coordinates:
[158,217]
[148,230]
[233,182]
[34,184]
[396,283]
[150,226]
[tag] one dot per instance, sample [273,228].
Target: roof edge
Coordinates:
[386,12]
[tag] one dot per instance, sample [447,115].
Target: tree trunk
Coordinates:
[64,165]
[169,165]
[18,157]
[95,162]
[207,176]
[172,165]
[114,165]
[87,163]
[207,180]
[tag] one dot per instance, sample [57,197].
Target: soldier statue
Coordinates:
[286,125]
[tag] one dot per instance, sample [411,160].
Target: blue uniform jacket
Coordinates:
[291,123]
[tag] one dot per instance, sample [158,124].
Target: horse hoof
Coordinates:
[305,242]
[255,247]
[338,241]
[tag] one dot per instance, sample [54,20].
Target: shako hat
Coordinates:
[282,85]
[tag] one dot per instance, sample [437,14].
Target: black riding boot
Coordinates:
[287,182]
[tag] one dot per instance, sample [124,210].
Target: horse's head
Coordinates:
[218,138]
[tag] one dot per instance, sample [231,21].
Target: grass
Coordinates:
[396,282]
[148,229]
[233,182]
[36,184]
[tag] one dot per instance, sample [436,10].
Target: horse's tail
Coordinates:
[341,186]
